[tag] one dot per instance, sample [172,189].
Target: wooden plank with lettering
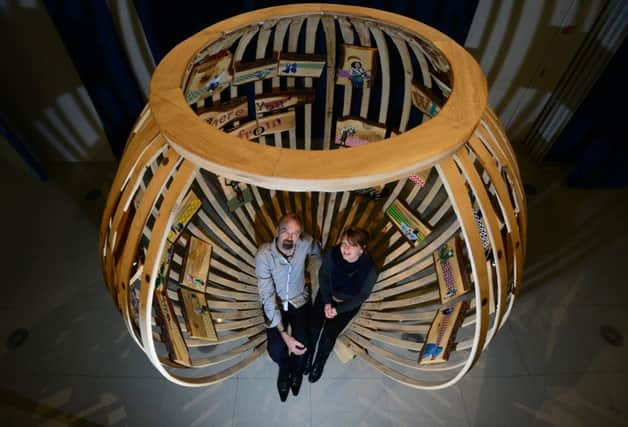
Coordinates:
[301,65]
[353,131]
[278,100]
[173,338]
[425,99]
[196,262]
[245,72]
[408,224]
[453,279]
[237,193]
[210,75]
[266,125]
[197,316]
[358,66]
[442,333]
[222,114]
[187,209]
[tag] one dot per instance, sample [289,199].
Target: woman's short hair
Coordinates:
[356,236]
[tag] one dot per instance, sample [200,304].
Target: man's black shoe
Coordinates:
[295,383]
[283,385]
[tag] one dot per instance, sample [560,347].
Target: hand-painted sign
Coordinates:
[278,100]
[211,75]
[300,65]
[352,131]
[223,114]
[358,65]
[266,125]
[256,70]
[425,99]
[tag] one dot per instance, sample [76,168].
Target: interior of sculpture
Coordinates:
[345,116]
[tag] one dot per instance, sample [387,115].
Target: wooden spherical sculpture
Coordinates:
[346,116]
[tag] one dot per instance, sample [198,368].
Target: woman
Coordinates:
[346,278]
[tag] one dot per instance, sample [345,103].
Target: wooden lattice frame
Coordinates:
[462,150]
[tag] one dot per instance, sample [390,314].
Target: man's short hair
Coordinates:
[289,217]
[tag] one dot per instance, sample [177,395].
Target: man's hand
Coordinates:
[330,312]
[294,346]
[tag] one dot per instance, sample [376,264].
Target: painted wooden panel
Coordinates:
[222,114]
[357,66]
[353,131]
[301,65]
[197,317]
[453,279]
[442,333]
[266,125]
[408,224]
[278,99]
[196,262]
[211,75]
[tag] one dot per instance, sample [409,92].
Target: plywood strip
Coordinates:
[239,53]
[457,192]
[392,326]
[347,35]
[330,45]
[387,339]
[408,76]
[384,61]
[310,40]
[365,40]
[494,234]
[246,241]
[127,256]
[225,239]
[428,297]
[399,289]
[163,223]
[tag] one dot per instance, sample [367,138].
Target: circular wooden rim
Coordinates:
[317,170]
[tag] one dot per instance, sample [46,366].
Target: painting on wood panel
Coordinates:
[442,334]
[353,131]
[222,114]
[280,99]
[407,222]
[425,99]
[451,272]
[237,193]
[246,72]
[301,65]
[209,76]
[266,125]
[196,264]
[357,66]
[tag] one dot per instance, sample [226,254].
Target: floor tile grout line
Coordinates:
[464,405]
[235,401]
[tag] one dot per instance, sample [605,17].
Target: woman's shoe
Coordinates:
[317,370]
[308,362]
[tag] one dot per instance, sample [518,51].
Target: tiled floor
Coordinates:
[548,366]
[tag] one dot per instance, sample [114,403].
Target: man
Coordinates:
[280,271]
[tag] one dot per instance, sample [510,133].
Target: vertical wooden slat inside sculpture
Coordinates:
[348,117]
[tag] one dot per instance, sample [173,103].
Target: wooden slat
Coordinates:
[330,49]
[384,62]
